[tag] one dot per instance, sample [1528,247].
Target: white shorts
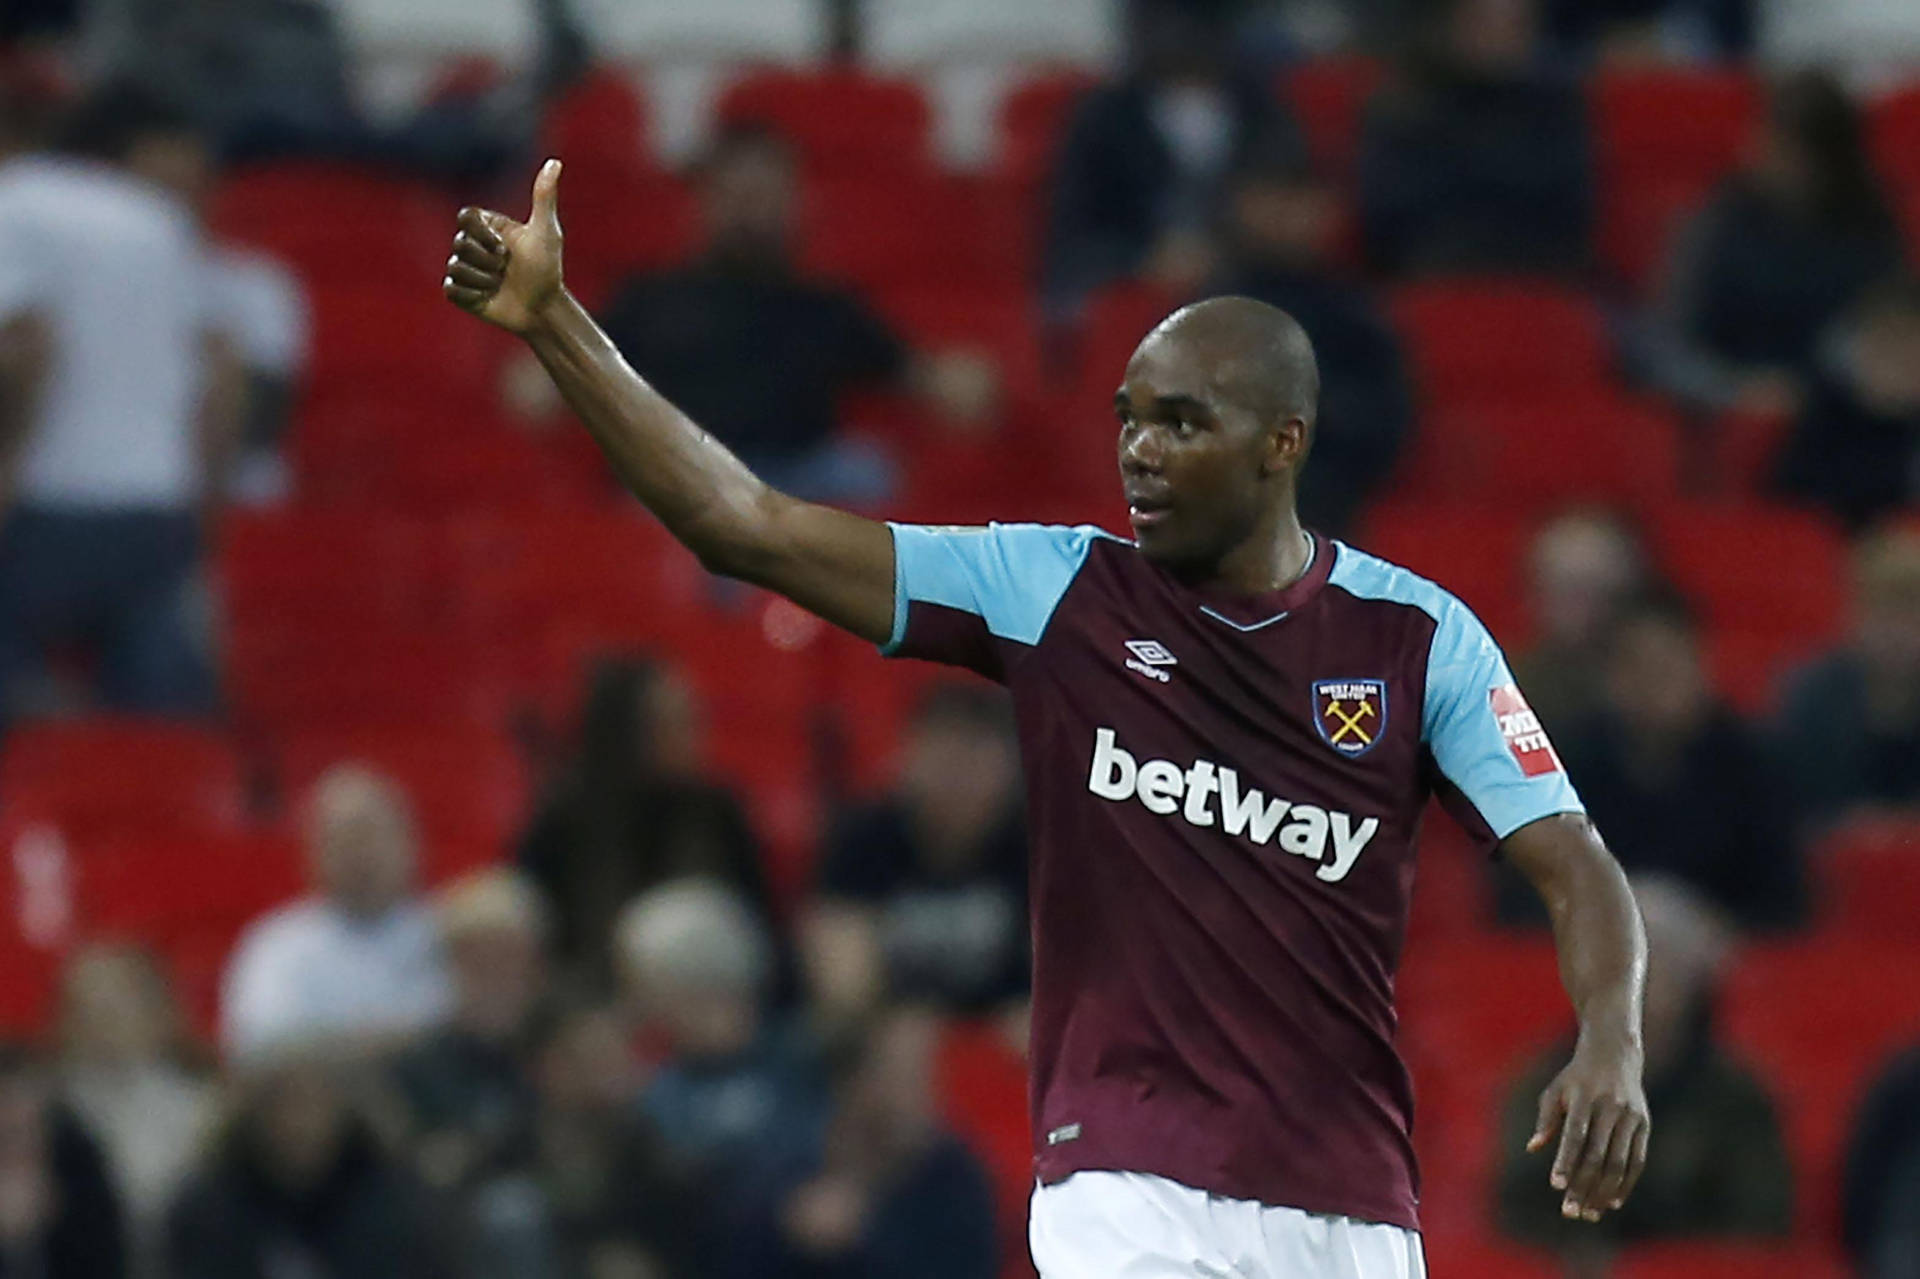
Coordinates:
[1127,1225]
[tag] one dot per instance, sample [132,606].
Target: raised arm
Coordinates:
[830,562]
[1597,1104]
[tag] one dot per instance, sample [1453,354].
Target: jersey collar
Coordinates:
[1252,612]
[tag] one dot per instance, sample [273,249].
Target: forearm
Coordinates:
[705,495]
[1601,944]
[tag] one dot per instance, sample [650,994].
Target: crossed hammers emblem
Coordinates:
[1350,723]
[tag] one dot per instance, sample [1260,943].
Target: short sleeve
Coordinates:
[1485,739]
[972,595]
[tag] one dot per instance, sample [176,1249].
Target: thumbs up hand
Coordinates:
[508,272]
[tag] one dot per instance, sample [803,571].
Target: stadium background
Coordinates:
[427,597]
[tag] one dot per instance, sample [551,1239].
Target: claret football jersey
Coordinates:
[1223,795]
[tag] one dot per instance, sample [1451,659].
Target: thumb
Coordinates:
[546,198]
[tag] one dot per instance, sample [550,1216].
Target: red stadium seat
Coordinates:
[1478,551]
[289,677]
[160,884]
[1329,98]
[1819,1017]
[334,221]
[333,567]
[1870,872]
[1716,1260]
[1476,339]
[843,121]
[1538,454]
[981,1081]
[1895,136]
[1034,119]
[1772,582]
[468,786]
[1665,137]
[107,773]
[1465,1256]
[999,324]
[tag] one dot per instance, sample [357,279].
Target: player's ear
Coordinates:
[1286,446]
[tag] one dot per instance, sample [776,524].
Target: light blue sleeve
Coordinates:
[1010,577]
[1481,732]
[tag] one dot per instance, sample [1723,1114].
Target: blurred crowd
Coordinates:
[620,1054]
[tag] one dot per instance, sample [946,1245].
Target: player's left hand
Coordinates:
[1599,1108]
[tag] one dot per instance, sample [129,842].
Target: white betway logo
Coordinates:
[1166,788]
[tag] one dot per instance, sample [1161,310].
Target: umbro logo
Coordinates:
[1149,657]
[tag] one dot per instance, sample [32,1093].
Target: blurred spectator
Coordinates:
[633,810]
[889,1194]
[59,1218]
[1856,448]
[923,896]
[272,78]
[1583,567]
[612,1203]
[467,1088]
[1880,1211]
[1642,32]
[1677,783]
[1869,39]
[356,962]
[736,1091]
[761,355]
[300,1186]
[1282,226]
[115,403]
[1783,248]
[124,1072]
[1850,729]
[1718,1166]
[1138,185]
[1478,160]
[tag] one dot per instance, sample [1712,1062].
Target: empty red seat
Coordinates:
[292,677]
[1477,550]
[335,221]
[1033,119]
[1480,339]
[981,1081]
[1755,567]
[1714,1259]
[1870,873]
[1474,1256]
[332,567]
[886,230]
[1537,454]
[104,773]
[842,120]
[467,784]
[1329,98]
[1819,1017]
[155,885]
[1895,136]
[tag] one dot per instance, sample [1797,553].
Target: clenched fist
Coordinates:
[508,272]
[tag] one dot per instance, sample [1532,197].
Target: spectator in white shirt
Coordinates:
[356,964]
[114,399]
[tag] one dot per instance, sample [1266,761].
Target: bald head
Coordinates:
[360,839]
[1258,356]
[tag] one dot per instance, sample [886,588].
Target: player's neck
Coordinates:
[1276,557]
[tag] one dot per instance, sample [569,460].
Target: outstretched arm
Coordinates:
[1597,1104]
[830,562]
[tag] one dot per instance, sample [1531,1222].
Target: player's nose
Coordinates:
[1140,451]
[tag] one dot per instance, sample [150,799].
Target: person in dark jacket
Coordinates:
[633,810]
[301,1186]
[1681,785]
[1849,733]
[1477,159]
[1137,188]
[889,1194]
[1880,1207]
[59,1216]
[1855,450]
[1282,223]
[1719,1165]
[1783,248]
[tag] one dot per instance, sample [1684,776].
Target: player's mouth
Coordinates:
[1148,510]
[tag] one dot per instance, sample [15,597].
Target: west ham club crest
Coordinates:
[1351,714]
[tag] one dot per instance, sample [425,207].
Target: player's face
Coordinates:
[1191,464]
